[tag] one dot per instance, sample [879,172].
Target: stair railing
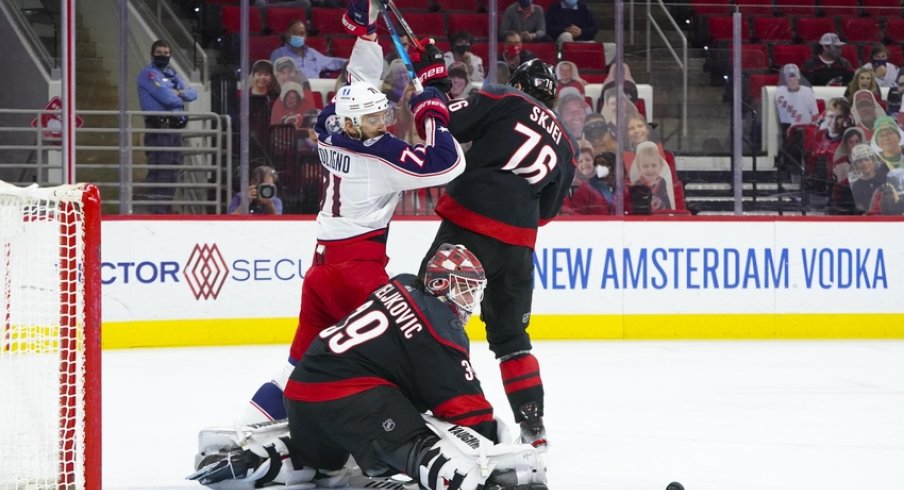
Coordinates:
[680,60]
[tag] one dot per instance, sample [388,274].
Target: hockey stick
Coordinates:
[404,24]
[400,50]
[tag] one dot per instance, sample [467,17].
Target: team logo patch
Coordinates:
[388,425]
[333,125]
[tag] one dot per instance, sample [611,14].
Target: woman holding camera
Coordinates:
[261,194]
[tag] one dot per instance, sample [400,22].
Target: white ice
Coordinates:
[620,415]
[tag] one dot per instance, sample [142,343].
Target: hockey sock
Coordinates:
[521,379]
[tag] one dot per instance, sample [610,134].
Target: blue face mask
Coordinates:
[296,41]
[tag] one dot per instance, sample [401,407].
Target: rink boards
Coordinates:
[237,281]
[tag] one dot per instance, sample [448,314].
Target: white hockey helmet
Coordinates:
[359,99]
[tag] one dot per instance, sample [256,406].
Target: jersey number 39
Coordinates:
[359,327]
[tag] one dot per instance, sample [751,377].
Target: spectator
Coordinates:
[573,110]
[261,191]
[886,73]
[828,67]
[629,88]
[161,89]
[794,99]
[291,106]
[841,162]
[307,60]
[263,81]
[460,43]
[866,176]
[866,109]
[891,194]
[583,172]
[652,171]
[894,96]
[638,131]
[285,71]
[570,20]
[398,91]
[567,74]
[598,133]
[836,118]
[608,109]
[513,52]
[597,194]
[886,142]
[864,79]
[396,80]
[458,75]
[527,19]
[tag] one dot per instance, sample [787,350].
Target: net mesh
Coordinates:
[41,337]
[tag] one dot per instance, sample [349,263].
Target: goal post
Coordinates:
[50,343]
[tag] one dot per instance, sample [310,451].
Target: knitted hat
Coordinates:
[884,123]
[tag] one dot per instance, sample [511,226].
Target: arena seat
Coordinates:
[231,17]
[839,7]
[755,7]
[796,7]
[477,24]
[850,52]
[882,8]
[453,5]
[756,82]
[894,30]
[721,28]
[341,46]
[327,21]
[772,29]
[711,7]
[427,24]
[810,29]
[860,29]
[585,55]
[409,5]
[782,54]
[895,53]
[280,18]
[754,57]
[260,47]
[319,43]
[548,52]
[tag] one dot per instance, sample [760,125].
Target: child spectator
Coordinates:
[567,75]
[864,79]
[794,99]
[886,73]
[638,131]
[570,20]
[597,194]
[583,172]
[460,43]
[291,106]
[527,19]
[263,81]
[651,170]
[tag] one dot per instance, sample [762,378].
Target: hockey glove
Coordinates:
[429,103]
[360,18]
[430,66]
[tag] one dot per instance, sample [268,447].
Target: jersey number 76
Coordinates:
[520,163]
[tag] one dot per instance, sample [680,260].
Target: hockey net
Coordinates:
[49,337]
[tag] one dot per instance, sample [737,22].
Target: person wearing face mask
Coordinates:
[570,20]
[161,89]
[527,19]
[828,68]
[308,60]
[513,52]
[460,43]
[597,194]
[886,72]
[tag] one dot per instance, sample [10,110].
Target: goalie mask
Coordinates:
[535,78]
[454,273]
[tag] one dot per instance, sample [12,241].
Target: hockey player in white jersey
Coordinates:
[367,169]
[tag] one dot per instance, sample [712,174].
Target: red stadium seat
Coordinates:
[327,21]
[754,57]
[894,30]
[860,29]
[483,50]
[585,55]
[810,29]
[280,18]
[839,7]
[318,98]
[849,51]
[477,24]
[544,4]
[796,7]
[782,54]
[755,7]
[427,24]
[882,8]
[721,28]
[409,5]
[341,46]
[260,47]
[231,17]
[772,29]
[463,5]
[593,76]
[548,52]
[711,7]
[317,42]
[757,81]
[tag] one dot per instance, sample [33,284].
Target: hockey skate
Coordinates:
[532,430]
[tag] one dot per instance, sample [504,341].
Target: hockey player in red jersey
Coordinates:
[364,385]
[520,166]
[367,170]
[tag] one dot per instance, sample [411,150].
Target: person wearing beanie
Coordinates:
[886,142]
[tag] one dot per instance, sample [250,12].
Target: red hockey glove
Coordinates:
[430,103]
[360,18]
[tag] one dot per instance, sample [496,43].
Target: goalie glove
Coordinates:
[360,18]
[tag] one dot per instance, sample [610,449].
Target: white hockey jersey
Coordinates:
[366,178]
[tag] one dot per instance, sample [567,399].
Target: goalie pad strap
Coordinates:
[273,471]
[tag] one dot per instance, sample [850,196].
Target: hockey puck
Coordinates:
[674,486]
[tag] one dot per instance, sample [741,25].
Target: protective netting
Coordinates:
[41,337]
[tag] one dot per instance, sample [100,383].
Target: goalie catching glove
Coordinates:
[429,103]
[430,66]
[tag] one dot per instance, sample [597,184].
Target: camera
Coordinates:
[266,191]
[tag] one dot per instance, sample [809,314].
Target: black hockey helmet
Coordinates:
[536,78]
